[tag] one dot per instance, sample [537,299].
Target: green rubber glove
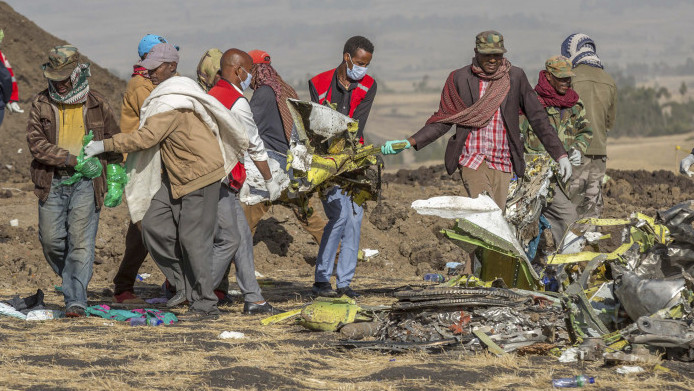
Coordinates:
[116,179]
[85,168]
[395,146]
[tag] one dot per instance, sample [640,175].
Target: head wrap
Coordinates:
[265,74]
[580,49]
[80,87]
[209,65]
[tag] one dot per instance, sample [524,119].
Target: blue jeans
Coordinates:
[68,221]
[2,112]
[344,226]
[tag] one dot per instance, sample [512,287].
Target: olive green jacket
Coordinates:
[598,91]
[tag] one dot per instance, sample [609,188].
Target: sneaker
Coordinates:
[250,308]
[323,289]
[127,297]
[197,316]
[223,298]
[75,312]
[347,291]
[178,299]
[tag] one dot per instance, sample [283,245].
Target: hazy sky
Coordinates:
[412,38]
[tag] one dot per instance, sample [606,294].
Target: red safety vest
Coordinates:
[322,83]
[227,95]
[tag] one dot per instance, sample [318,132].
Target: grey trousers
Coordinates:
[560,214]
[178,234]
[233,240]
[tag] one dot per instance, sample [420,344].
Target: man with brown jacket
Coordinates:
[186,144]
[483,100]
[69,213]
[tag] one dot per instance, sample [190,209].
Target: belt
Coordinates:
[61,172]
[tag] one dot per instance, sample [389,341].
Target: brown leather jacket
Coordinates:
[42,136]
[520,96]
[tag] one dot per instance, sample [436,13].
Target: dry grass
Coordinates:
[98,354]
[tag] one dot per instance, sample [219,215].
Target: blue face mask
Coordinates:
[357,72]
[247,82]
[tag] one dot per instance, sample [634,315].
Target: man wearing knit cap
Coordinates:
[186,144]
[69,204]
[598,92]
[567,115]
[483,100]
[138,89]
[275,123]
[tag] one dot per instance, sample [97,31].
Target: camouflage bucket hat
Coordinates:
[490,42]
[559,66]
[208,67]
[62,60]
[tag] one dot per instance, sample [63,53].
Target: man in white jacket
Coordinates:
[198,142]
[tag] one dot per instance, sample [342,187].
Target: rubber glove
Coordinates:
[93,148]
[575,157]
[387,148]
[686,163]
[273,188]
[13,107]
[564,168]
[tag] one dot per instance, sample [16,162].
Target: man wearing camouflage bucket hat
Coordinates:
[567,115]
[483,100]
[61,115]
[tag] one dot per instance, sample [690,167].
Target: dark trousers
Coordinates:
[133,257]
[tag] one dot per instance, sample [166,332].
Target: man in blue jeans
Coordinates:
[351,92]
[69,211]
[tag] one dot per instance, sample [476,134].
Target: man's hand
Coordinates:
[564,168]
[394,147]
[273,188]
[93,148]
[686,163]
[575,157]
[13,107]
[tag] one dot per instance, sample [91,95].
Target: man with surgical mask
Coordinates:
[350,91]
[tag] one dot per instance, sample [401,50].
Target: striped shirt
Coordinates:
[487,144]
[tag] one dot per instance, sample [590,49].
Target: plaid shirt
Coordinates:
[488,143]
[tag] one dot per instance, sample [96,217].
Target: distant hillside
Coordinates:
[25,46]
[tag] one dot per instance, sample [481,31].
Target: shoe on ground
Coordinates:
[323,289]
[347,291]
[128,297]
[178,299]
[224,298]
[265,308]
[167,289]
[75,312]
[198,316]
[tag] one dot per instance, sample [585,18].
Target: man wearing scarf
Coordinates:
[567,115]
[69,213]
[598,92]
[275,123]
[350,91]
[483,100]
[138,89]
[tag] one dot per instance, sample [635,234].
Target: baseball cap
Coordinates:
[159,54]
[490,42]
[559,66]
[147,42]
[259,56]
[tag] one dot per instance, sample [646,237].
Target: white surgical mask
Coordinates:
[357,72]
[247,82]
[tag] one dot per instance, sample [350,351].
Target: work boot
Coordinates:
[127,297]
[223,298]
[347,291]
[178,299]
[75,312]
[323,289]
[250,308]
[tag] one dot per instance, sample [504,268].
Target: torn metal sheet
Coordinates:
[254,190]
[644,297]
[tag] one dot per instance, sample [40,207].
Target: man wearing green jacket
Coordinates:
[598,91]
[567,115]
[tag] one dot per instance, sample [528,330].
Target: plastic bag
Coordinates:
[85,168]
[116,179]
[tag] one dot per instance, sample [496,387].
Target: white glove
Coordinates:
[13,107]
[93,148]
[564,168]
[686,163]
[273,188]
[575,157]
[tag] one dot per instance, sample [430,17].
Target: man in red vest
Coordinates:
[349,90]
[233,239]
